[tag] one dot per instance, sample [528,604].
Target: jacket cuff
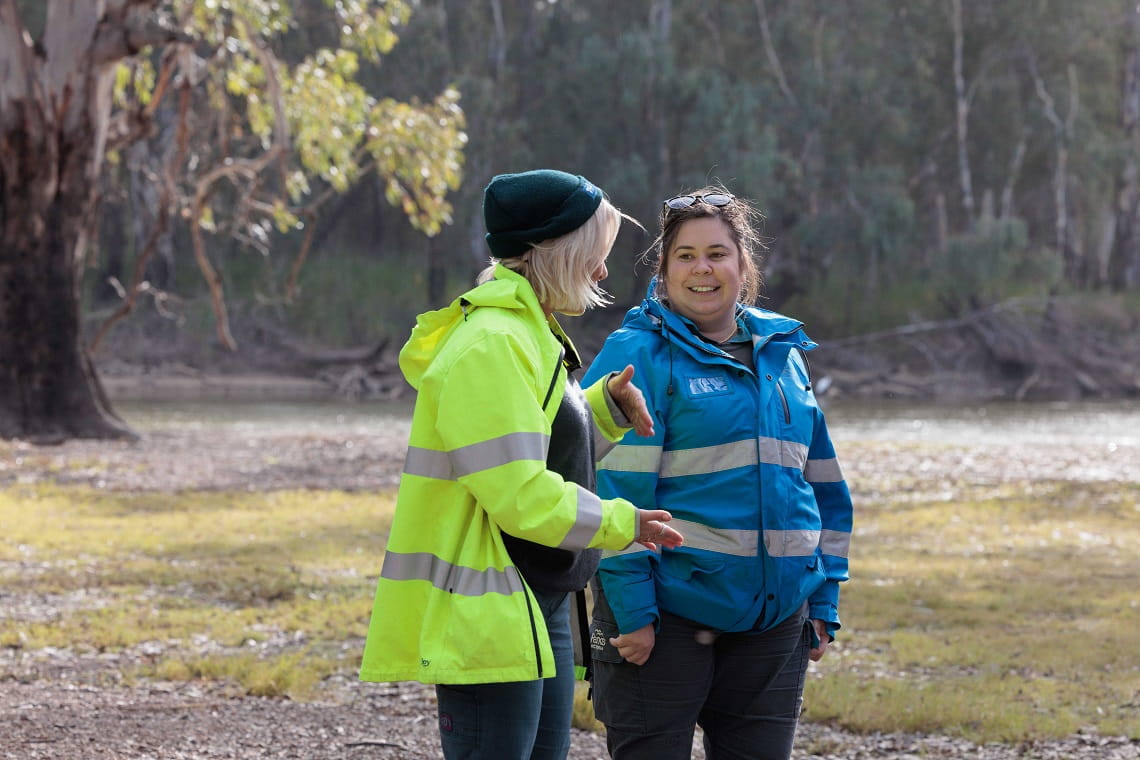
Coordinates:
[612,425]
[615,410]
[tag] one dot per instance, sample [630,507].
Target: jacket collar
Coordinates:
[764,325]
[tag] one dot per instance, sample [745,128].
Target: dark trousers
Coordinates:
[745,690]
[520,720]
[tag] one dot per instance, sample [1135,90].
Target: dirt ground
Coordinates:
[61,704]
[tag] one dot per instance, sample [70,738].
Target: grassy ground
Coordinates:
[999,614]
[263,588]
[994,613]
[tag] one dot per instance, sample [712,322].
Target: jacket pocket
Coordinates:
[601,631]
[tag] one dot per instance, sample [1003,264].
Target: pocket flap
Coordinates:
[601,632]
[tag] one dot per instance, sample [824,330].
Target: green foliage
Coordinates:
[269,132]
[366,307]
[838,119]
[975,269]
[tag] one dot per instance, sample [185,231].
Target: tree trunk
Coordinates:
[54,107]
[962,121]
[1124,258]
[48,388]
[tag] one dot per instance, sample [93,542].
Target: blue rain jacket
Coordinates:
[743,461]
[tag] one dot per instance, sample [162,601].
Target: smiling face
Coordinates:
[702,274]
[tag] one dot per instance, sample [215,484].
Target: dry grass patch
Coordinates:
[92,571]
[1000,614]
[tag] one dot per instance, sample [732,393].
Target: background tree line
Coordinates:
[914,158]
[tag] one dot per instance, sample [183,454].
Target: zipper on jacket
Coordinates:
[784,401]
[554,378]
[534,634]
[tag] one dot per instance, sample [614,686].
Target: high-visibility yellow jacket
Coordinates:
[450,605]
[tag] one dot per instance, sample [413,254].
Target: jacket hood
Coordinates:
[509,290]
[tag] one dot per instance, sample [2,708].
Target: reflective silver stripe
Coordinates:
[466,460]
[428,463]
[706,459]
[625,458]
[783,453]
[791,543]
[727,456]
[586,522]
[631,549]
[835,542]
[737,542]
[465,581]
[823,471]
[602,445]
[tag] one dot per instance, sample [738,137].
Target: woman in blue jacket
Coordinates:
[719,631]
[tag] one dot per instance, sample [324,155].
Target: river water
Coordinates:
[1111,424]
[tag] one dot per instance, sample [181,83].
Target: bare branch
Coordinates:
[160,226]
[1074,99]
[249,169]
[1062,135]
[770,51]
[142,26]
[963,116]
[213,281]
[1014,171]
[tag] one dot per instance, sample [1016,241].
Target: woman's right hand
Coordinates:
[653,533]
[636,647]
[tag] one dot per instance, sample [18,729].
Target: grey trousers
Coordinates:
[745,690]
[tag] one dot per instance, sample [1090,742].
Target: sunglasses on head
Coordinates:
[684,201]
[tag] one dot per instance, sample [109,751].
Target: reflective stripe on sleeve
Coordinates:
[823,471]
[586,522]
[602,445]
[466,460]
[835,542]
[455,579]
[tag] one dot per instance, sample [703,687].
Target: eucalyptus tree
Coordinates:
[85,77]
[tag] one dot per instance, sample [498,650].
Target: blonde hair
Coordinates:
[561,270]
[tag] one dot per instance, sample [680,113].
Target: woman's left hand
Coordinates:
[816,654]
[628,397]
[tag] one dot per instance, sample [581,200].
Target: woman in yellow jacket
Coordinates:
[496,520]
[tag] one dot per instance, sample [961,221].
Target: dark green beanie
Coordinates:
[523,209]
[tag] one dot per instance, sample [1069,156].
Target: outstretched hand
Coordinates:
[652,531]
[629,399]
